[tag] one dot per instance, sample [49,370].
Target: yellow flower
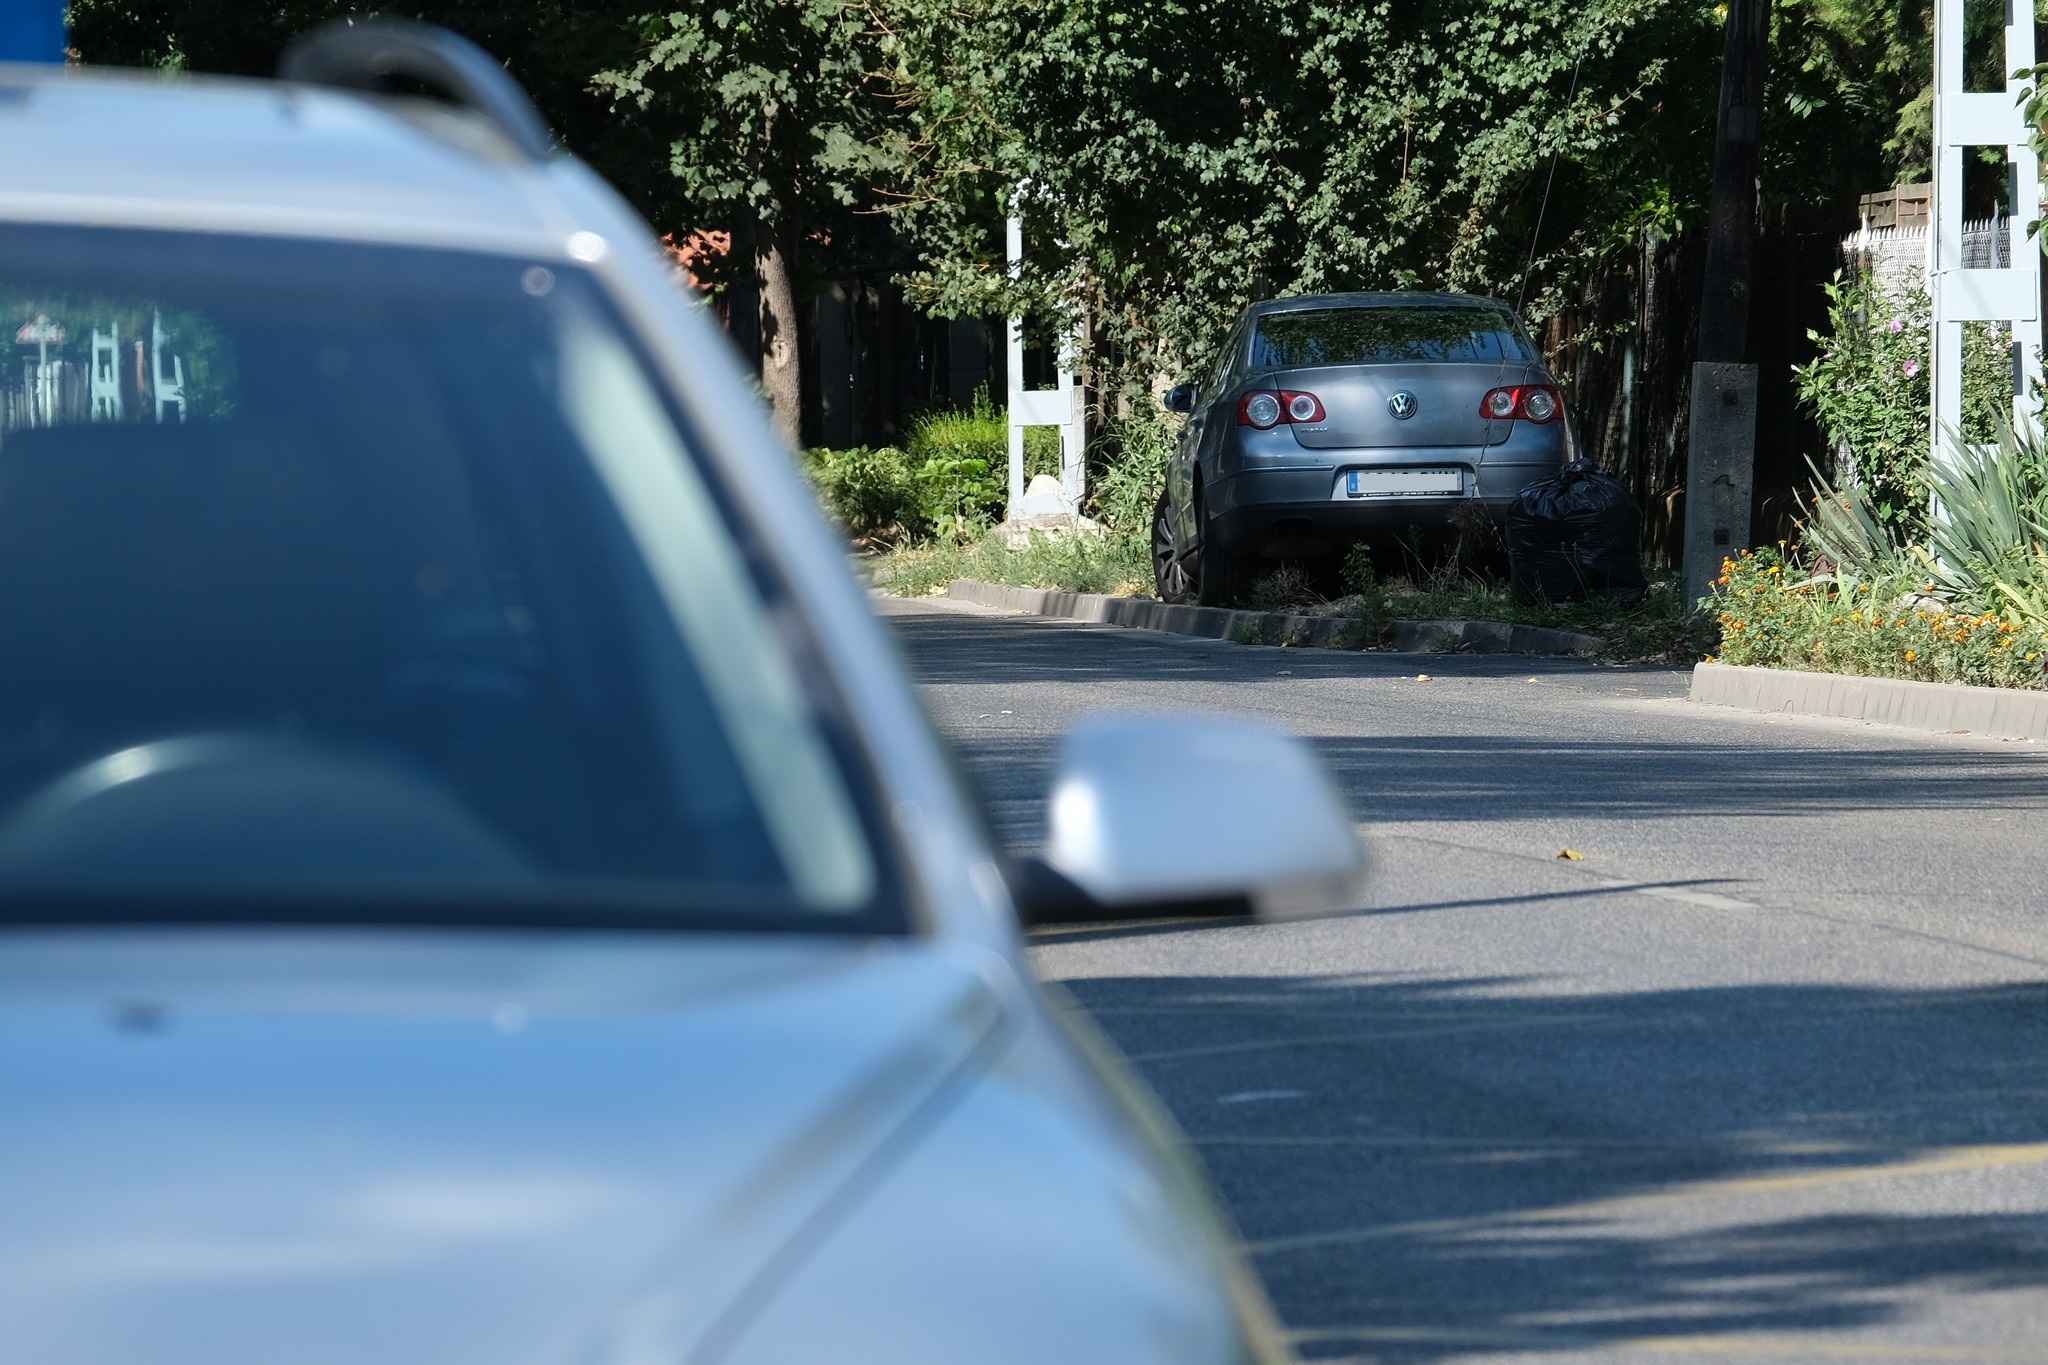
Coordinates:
[1910,656]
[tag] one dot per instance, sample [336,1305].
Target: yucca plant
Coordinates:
[1987,543]
[1849,533]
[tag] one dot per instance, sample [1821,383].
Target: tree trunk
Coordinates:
[781,356]
[743,295]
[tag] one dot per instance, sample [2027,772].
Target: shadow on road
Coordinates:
[1453,777]
[1462,777]
[954,649]
[1434,1168]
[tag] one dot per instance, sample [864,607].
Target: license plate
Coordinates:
[1402,483]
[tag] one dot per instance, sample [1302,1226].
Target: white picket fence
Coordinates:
[1898,255]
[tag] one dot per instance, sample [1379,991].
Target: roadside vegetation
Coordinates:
[1876,582]
[924,515]
[1660,628]
[1960,597]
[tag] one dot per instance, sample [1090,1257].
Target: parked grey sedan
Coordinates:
[476,887]
[1331,419]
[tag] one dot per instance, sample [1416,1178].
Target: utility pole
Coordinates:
[1721,445]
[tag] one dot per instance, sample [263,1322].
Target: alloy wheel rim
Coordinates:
[1169,565]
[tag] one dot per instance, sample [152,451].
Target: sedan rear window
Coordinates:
[383,584]
[1386,335]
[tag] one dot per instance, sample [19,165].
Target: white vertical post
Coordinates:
[2026,205]
[2011,295]
[1945,229]
[1015,386]
[1059,407]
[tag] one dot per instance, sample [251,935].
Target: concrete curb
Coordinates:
[1273,627]
[1951,708]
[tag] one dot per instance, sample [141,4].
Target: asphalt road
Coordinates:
[1762,1076]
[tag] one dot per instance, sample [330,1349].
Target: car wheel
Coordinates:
[1173,571]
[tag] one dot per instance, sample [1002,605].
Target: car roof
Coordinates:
[1385,298]
[142,149]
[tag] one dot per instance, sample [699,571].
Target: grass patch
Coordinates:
[1661,628]
[1120,565]
[1658,629]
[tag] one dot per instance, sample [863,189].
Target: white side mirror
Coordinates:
[1157,815]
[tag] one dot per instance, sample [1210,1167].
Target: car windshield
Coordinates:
[382,584]
[1387,335]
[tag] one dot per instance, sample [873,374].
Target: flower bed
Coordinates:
[1772,615]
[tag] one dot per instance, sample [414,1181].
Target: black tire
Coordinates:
[1200,572]
[1175,575]
[1222,580]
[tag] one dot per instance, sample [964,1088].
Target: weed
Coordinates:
[1285,587]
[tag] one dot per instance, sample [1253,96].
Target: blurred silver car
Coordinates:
[1331,419]
[476,887]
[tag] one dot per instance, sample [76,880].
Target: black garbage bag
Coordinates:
[1574,535]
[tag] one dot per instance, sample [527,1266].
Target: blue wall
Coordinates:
[31,30]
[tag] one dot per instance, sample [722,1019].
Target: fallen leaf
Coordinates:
[1422,677]
[1571,853]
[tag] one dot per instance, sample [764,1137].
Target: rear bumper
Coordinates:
[1304,511]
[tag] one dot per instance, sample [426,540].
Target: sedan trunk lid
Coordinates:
[1362,404]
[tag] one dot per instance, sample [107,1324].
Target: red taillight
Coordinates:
[1528,402]
[1268,408]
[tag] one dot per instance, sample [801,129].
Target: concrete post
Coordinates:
[1717,493]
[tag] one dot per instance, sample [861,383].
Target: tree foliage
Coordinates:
[1179,157]
[1172,158]
[764,108]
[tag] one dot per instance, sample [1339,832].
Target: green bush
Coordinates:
[1869,390]
[868,491]
[1041,452]
[1127,470]
[959,464]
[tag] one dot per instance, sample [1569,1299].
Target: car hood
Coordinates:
[403,1147]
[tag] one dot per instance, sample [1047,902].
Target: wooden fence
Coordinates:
[1623,350]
